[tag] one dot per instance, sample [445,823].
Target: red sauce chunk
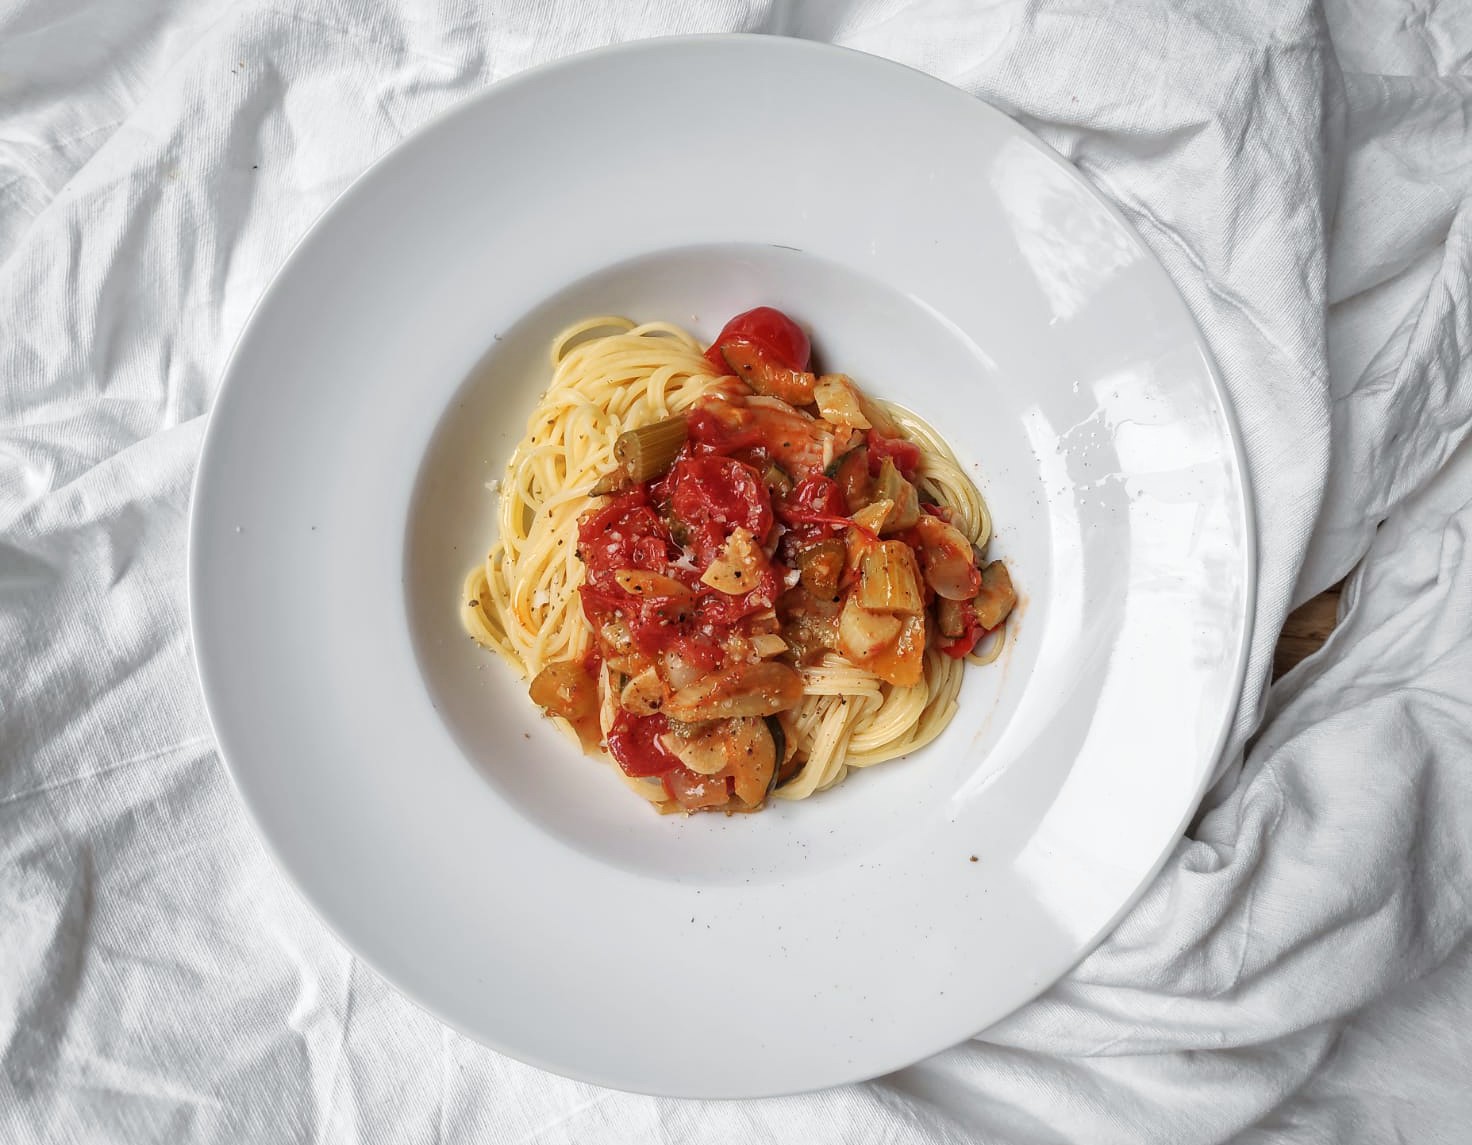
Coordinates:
[713,495]
[906,454]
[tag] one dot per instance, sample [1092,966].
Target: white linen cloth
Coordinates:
[1301,970]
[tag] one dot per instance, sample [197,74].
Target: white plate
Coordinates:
[942,256]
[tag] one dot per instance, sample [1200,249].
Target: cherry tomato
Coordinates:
[720,491]
[634,742]
[624,534]
[818,494]
[817,500]
[775,334]
[906,454]
[657,625]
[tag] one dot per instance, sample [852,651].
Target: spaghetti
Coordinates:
[738,578]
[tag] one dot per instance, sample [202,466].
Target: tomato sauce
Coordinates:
[678,526]
[634,742]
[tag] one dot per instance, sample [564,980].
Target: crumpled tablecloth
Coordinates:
[1300,971]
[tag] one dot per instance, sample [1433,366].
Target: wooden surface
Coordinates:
[1306,629]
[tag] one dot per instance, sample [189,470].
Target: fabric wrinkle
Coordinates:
[1301,969]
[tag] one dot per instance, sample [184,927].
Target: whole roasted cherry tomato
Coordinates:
[776,335]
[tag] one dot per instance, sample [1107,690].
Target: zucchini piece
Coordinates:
[851,472]
[779,741]
[997,597]
[820,566]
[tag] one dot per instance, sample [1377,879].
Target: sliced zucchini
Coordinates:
[779,743]
[777,479]
[820,566]
[851,472]
[997,597]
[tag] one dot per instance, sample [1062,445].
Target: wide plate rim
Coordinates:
[474,104]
